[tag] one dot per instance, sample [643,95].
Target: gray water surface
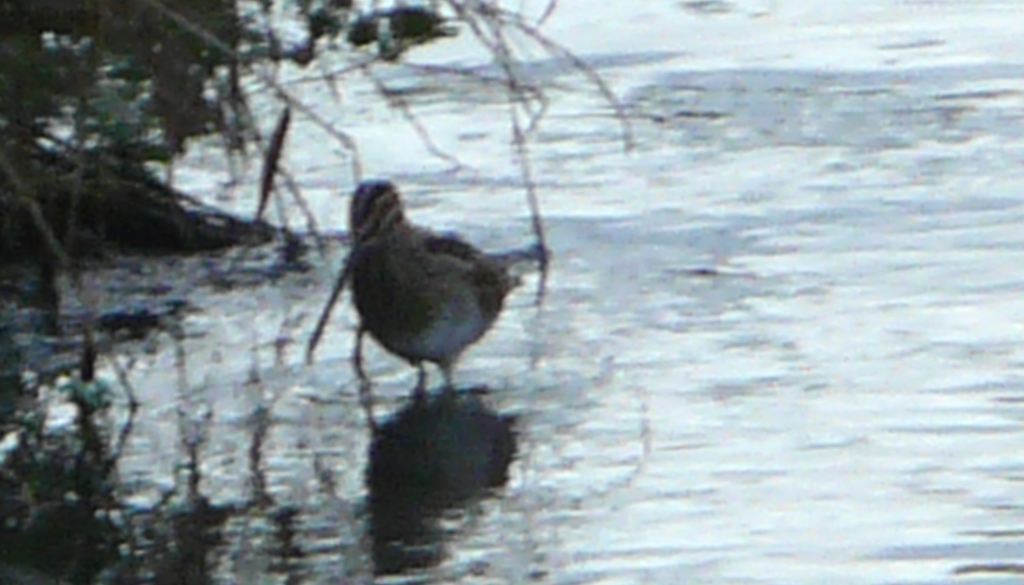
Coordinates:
[781,343]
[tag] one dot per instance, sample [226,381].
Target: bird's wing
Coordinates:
[489,277]
[453,247]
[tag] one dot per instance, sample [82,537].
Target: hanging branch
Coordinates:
[271,159]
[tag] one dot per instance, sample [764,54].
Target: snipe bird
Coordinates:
[423,296]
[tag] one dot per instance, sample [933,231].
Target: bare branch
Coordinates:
[347,142]
[303,205]
[399,103]
[558,51]
[548,11]
[499,47]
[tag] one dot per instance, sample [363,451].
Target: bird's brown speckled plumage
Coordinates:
[421,295]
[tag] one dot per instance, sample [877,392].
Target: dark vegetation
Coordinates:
[92,93]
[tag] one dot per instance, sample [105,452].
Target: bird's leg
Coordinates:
[421,381]
[366,401]
[365,388]
[357,357]
[446,371]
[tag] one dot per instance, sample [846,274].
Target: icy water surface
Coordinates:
[782,340]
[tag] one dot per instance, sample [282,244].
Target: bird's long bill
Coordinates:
[325,316]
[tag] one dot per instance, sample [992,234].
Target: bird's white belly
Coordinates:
[445,338]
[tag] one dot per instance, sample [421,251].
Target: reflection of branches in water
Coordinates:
[194,420]
[643,431]
[59,258]
[260,422]
[121,372]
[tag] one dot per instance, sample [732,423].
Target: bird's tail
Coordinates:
[521,260]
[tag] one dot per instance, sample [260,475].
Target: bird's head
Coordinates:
[376,208]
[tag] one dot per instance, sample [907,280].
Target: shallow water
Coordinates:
[838,400]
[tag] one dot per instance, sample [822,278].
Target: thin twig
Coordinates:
[557,50]
[303,205]
[272,160]
[264,78]
[548,11]
[133,408]
[341,136]
[503,55]
[399,103]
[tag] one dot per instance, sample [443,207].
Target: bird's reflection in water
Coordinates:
[438,453]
